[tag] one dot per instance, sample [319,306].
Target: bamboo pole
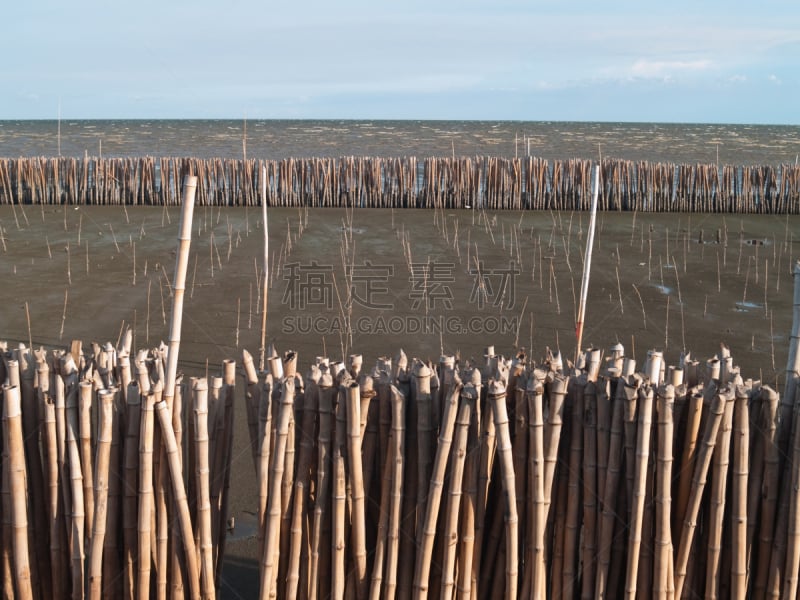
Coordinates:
[271,537]
[397,454]
[770,488]
[104,438]
[145,492]
[76,488]
[435,488]
[739,512]
[202,473]
[14,449]
[587,262]
[717,500]
[266,266]
[179,498]
[713,424]
[645,406]
[662,582]
[317,587]
[358,517]
[468,398]
[497,397]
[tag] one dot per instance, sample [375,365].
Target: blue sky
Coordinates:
[686,61]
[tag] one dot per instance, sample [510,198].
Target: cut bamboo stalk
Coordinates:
[397,454]
[702,464]
[535,395]
[590,487]
[741,467]
[229,387]
[662,582]
[179,498]
[694,413]
[435,488]
[719,482]
[470,500]
[272,532]
[145,492]
[14,449]
[426,440]
[770,488]
[317,584]
[569,572]
[76,487]
[379,560]
[645,404]
[202,473]
[497,396]
[793,360]
[557,390]
[104,437]
[252,402]
[468,398]
[112,567]
[265,439]
[358,517]
[86,391]
[609,515]
[58,571]
[299,533]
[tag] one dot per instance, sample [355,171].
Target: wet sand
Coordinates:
[654,285]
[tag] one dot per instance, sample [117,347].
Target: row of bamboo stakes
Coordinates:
[435,182]
[111,488]
[502,478]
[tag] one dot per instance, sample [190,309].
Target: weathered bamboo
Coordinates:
[703,462]
[536,467]
[317,584]
[571,531]
[770,488]
[497,397]
[717,500]
[739,512]
[202,472]
[179,498]
[272,524]
[396,498]
[662,582]
[76,488]
[694,413]
[645,419]
[104,436]
[14,449]
[435,488]
[145,493]
[357,516]
[468,398]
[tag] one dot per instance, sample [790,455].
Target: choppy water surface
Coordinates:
[681,143]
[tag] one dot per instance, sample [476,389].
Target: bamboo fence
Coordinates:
[488,182]
[485,520]
[105,448]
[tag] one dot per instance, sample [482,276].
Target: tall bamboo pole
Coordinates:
[435,488]
[497,396]
[202,473]
[587,261]
[397,456]
[317,585]
[145,489]
[639,492]
[105,432]
[358,517]
[662,582]
[704,455]
[266,267]
[76,487]
[272,534]
[741,467]
[14,448]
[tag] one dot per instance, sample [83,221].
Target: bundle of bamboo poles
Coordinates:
[504,478]
[91,506]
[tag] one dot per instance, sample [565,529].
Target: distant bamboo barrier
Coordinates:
[106,552]
[495,183]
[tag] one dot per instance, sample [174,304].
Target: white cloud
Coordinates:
[737,78]
[775,79]
[661,69]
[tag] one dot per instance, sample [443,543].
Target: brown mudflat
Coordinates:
[428,282]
